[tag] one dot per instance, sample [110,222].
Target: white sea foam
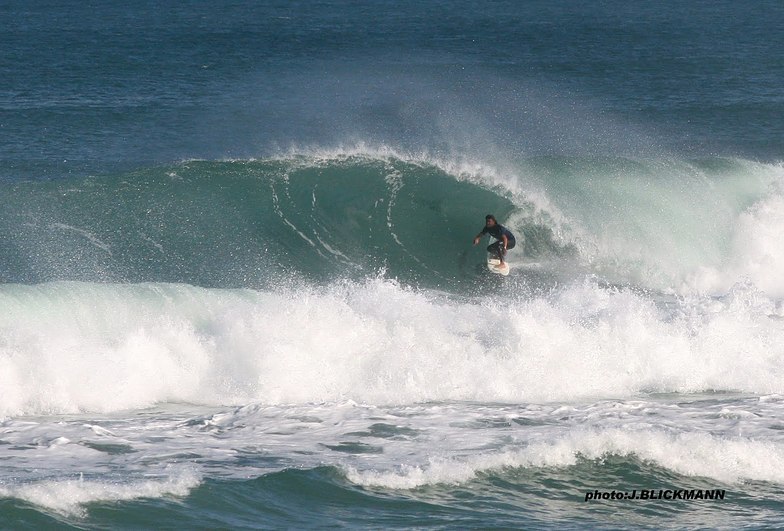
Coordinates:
[729,460]
[71,347]
[64,463]
[757,247]
[70,496]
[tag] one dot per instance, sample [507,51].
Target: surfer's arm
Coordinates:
[478,237]
[506,241]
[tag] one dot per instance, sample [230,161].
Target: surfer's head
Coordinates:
[490,220]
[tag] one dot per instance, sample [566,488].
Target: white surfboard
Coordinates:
[494,265]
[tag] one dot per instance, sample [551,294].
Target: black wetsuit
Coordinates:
[497,231]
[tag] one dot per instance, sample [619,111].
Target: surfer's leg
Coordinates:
[495,249]
[510,245]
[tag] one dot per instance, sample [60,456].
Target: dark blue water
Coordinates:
[93,86]
[237,287]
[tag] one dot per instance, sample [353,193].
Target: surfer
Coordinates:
[505,238]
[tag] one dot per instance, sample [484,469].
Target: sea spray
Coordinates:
[666,224]
[71,347]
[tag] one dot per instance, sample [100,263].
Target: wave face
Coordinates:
[246,223]
[663,224]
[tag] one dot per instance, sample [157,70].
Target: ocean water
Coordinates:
[237,286]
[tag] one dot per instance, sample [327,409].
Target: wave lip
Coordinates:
[727,460]
[70,496]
